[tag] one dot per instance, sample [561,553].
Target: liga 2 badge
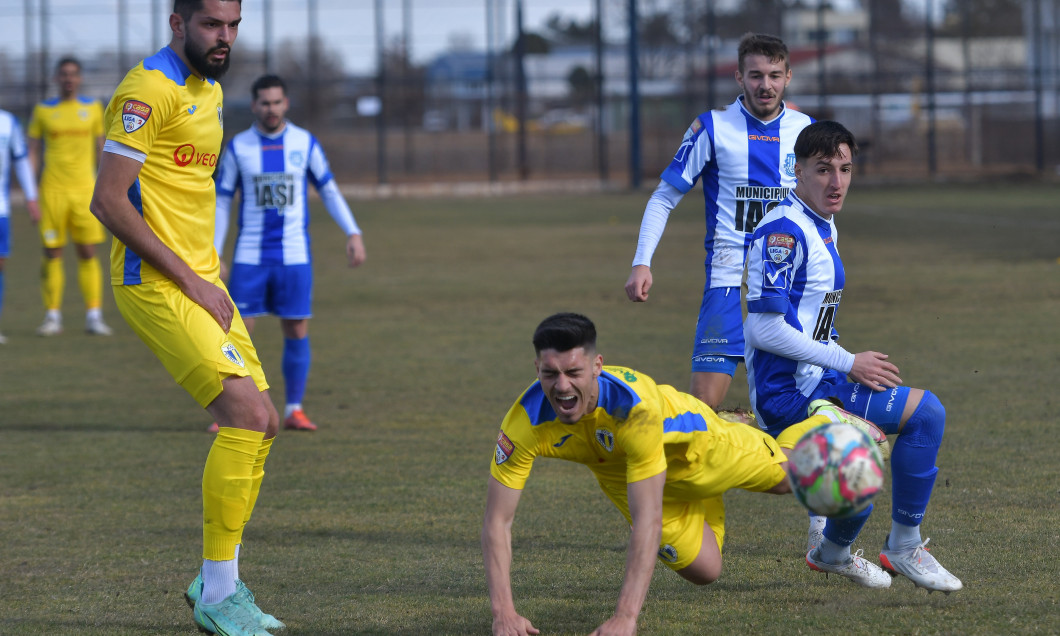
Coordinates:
[134,114]
[779,247]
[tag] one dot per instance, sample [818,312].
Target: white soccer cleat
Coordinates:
[96,327]
[3,339]
[837,414]
[919,567]
[50,327]
[858,570]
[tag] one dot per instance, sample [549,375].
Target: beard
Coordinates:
[200,60]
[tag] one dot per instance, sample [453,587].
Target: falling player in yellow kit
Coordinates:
[155,193]
[661,456]
[69,130]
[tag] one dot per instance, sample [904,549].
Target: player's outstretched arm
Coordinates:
[872,369]
[501,503]
[110,204]
[645,507]
[639,283]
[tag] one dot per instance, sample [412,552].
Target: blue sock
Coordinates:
[913,467]
[843,531]
[296,358]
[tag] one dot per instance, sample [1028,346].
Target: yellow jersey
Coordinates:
[174,117]
[638,430]
[70,130]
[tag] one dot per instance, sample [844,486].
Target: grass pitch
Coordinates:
[370,525]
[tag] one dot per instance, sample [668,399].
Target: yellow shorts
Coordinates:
[730,455]
[66,209]
[186,338]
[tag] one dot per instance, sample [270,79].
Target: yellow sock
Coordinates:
[793,433]
[257,476]
[90,277]
[52,280]
[226,486]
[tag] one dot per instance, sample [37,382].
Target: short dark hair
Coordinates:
[565,331]
[762,44]
[69,59]
[823,138]
[267,81]
[187,8]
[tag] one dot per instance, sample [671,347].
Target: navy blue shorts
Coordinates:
[719,332]
[282,290]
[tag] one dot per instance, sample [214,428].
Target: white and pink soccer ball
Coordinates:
[835,470]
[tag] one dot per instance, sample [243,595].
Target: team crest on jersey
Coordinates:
[297,158]
[505,448]
[606,439]
[83,114]
[779,247]
[789,164]
[668,553]
[232,354]
[134,114]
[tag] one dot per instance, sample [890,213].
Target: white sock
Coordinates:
[218,580]
[93,314]
[54,314]
[903,537]
[833,553]
[291,408]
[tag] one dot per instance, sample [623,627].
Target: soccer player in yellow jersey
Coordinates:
[661,456]
[155,193]
[69,129]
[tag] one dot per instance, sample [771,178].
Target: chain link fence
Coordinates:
[934,101]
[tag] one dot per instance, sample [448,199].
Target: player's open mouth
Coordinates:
[566,403]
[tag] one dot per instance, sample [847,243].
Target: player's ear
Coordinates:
[598,365]
[176,24]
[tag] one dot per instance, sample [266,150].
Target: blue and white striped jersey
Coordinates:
[13,153]
[273,172]
[793,269]
[747,168]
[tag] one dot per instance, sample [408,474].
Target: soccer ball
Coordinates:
[835,470]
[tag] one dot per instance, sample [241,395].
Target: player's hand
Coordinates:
[872,369]
[355,254]
[213,299]
[34,211]
[639,283]
[513,625]
[617,626]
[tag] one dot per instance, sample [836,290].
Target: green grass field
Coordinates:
[370,525]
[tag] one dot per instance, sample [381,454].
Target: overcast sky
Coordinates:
[83,27]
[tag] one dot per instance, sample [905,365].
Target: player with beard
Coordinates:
[272,165]
[155,193]
[743,153]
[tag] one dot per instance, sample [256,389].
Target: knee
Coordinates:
[928,421]
[701,575]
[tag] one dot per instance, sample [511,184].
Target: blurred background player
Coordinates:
[662,457]
[795,281]
[161,209]
[743,154]
[272,271]
[13,153]
[69,128]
